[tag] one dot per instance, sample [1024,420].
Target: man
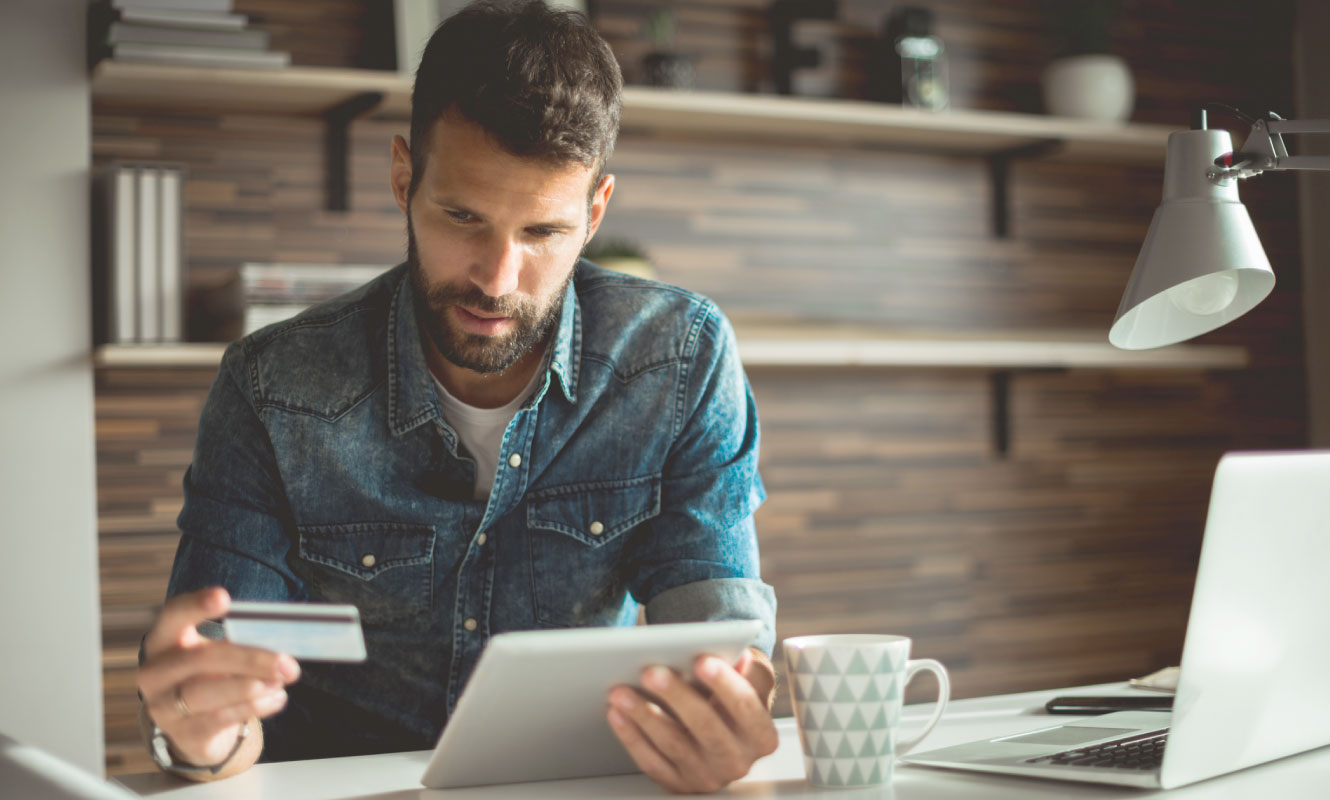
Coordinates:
[493,436]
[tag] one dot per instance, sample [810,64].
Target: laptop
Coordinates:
[1253,684]
[34,774]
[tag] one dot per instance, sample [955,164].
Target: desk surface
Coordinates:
[396,776]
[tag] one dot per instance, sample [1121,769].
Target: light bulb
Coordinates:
[1205,295]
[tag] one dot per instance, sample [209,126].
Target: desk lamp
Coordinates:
[1202,265]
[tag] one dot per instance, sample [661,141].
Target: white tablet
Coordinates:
[535,706]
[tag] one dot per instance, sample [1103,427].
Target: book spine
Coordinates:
[195,20]
[169,256]
[213,6]
[123,263]
[130,33]
[201,56]
[149,294]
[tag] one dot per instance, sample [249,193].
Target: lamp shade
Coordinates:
[1202,265]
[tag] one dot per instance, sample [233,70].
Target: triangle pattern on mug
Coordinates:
[828,666]
[848,701]
[867,748]
[883,744]
[857,665]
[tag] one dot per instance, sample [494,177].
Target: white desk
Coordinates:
[396,776]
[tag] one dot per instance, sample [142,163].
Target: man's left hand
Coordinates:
[690,740]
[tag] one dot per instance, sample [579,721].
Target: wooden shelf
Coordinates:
[310,91]
[982,354]
[315,90]
[855,122]
[788,343]
[805,346]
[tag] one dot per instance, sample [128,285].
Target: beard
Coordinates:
[532,321]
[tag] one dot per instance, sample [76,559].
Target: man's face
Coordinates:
[492,242]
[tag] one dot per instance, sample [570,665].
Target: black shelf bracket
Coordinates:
[999,172]
[999,384]
[335,147]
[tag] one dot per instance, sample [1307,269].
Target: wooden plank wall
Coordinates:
[145,437]
[1069,561]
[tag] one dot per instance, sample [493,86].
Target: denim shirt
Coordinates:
[324,470]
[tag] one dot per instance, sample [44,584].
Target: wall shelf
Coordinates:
[981,354]
[805,345]
[307,91]
[763,345]
[316,90]
[857,122]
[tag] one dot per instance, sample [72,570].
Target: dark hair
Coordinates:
[542,82]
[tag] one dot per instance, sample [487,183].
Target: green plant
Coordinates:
[660,28]
[1079,27]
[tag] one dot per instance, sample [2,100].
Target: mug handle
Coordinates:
[943,695]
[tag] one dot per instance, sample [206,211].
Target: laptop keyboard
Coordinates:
[1143,752]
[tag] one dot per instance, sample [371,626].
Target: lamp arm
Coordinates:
[1264,149]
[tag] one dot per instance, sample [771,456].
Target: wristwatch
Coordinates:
[161,754]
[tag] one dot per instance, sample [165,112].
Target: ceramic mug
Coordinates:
[848,690]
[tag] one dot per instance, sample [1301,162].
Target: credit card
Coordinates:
[304,631]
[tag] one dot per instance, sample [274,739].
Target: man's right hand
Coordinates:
[200,691]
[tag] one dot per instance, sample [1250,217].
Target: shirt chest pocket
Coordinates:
[576,535]
[383,568]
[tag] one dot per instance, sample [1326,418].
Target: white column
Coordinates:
[50,626]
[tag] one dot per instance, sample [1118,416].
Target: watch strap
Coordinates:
[161,754]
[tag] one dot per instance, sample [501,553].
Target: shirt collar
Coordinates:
[567,355]
[412,399]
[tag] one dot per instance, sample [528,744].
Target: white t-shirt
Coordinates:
[481,430]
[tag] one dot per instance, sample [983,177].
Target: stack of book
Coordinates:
[137,245]
[277,292]
[200,33]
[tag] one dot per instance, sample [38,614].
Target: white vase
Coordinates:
[1089,87]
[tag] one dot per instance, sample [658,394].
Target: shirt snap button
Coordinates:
[368,560]
[515,460]
[470,624]
[481,539]
[597,529]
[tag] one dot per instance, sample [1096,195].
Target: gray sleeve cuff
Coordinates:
[719,598]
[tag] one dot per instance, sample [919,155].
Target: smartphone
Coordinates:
[1106,705]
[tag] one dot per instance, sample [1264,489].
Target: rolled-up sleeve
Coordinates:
[719,598]
[698,559]
[234,522]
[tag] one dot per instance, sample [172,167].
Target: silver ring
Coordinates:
[180,704]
